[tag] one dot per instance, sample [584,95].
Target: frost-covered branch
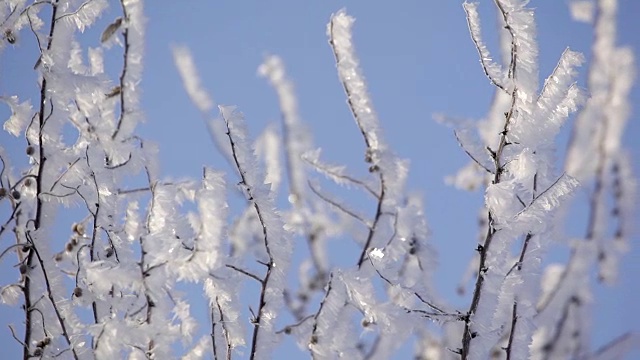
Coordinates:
[132,35]
[521,164]
[27,287]
[340,39]
[492,70]
[103,246]
[596,158]
[275,239]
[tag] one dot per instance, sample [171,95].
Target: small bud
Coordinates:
[109,252]
[58,257]
[30,150]
[28,182]
[113,92]
[23,269]
[287,330]
[77,292]
[69,247]
[3,192]
[366,323]
[367,157]
[37,352]
[26,248]
[15,194]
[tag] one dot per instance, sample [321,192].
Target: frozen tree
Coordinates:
[114,287]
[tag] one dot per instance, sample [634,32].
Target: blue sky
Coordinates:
[418,59]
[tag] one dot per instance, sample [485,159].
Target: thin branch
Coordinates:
[61,320]
[125,68]
[76,11]
[483,54]
[63,174]
[38,211]
[514,310]
[245,272]
[357,182]
[371,150]
[259,212]
[287,329]
[469,154]
[314,330]
[376,220]
[16,338]
[499,169]
[14,213]
[339,206]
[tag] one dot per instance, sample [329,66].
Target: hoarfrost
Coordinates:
[20,115]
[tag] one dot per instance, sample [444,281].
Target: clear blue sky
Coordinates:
[418,59]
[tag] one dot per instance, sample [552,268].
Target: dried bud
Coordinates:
[44,342]
[15,194]
[287,330]
[58,257]
[69,247]
[23,269]
[26,248]
[30,150]
[78,228]
[37,352]
[10,36]
[28,182]
[77,292]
